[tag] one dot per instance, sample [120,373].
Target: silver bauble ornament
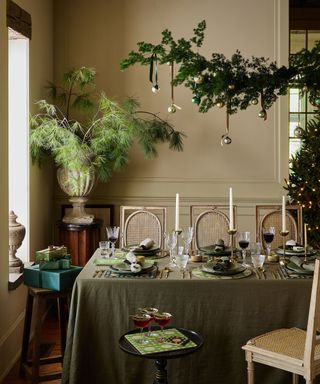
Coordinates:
[220,104]
[172,109]
[155,88]
[254,101]
[262,114]
[225,139]
[198,79]
[298,131]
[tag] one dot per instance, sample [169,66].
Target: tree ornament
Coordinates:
[298,131]
[196,99]
[155,88]
[262,114]
[172,109]
[225,139]
[198,79]
[220,104]
[231,87]
[305,88]
[254,101]
[317,101]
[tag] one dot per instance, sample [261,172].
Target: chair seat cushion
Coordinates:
[289,342]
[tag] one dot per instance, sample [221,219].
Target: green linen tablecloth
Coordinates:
[225,312]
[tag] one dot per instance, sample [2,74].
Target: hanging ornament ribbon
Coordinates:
[153,73]
[173,107]
[263,112]
[226,139]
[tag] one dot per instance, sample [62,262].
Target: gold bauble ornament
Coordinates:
[298,131]
[155,88]
[231,86]
[220,104]
[262,114]
[305,88]
[198,79]
[172,109]
[254,101]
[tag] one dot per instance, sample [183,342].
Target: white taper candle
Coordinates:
[283,214]
[177,213]
[305,236]
[231,225]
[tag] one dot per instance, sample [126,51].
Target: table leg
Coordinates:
[161,372]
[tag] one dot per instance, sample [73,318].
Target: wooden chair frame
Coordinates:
[128,213]
[306,365]
[263,212]
[199,212]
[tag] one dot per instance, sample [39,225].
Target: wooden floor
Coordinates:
[50,345]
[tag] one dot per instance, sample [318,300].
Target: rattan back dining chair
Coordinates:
[139,223]
[291,349]
[210,223]
[271,216]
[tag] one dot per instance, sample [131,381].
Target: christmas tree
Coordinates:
[304,179]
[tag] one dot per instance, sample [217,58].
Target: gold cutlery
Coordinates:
[166,270]
[95,273]
[256,273]
[190,273]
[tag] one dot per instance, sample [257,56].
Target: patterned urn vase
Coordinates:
[77,185]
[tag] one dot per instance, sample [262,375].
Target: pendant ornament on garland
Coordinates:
[153,73]
[226,139]
[173,107]
[298,132]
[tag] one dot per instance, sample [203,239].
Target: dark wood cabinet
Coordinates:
[80,239]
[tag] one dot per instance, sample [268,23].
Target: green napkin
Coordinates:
[107,261]
[201,274]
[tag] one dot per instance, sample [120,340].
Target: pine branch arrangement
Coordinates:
[103,138]
[237,82]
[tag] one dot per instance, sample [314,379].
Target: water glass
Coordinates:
[258,260]
[187,235]
[104,248]
[171,242]
[181,262]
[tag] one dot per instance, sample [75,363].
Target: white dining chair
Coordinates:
[291,349]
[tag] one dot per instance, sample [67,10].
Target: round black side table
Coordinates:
[160,359]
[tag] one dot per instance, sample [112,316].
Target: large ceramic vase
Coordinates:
[16,235]
[77,185]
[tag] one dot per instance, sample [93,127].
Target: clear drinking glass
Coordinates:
[171,242]
[104,248]
[268,236]
[257,261]
[187,235]
[244,241]
[182,261]
[151,311]
[113,234]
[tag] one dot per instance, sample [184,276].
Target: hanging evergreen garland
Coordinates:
[241,81]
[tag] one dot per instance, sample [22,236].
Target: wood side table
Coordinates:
[81,240]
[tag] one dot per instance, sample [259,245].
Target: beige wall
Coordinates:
[100,33]
[12,304]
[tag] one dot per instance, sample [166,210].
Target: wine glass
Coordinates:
[141,320]
[186,235]
[244,241]
[268,236]
[104,249]
[171,243]
[151,311]
[113,234]
[162,319]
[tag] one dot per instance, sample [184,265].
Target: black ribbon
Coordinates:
[153,68]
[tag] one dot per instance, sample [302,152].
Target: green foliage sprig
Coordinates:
[103,139]
[237,82]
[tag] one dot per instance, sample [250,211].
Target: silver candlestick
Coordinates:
[232,233]
[284,234]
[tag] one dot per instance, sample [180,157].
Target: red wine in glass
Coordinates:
[268,236]
[141,320]
[162,319]
[243,244]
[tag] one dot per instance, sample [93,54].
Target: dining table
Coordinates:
[226,311]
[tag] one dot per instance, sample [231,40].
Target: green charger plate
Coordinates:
[124,268]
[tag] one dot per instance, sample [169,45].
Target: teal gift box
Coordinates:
[58,279]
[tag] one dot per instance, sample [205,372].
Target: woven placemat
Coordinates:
[204,275]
